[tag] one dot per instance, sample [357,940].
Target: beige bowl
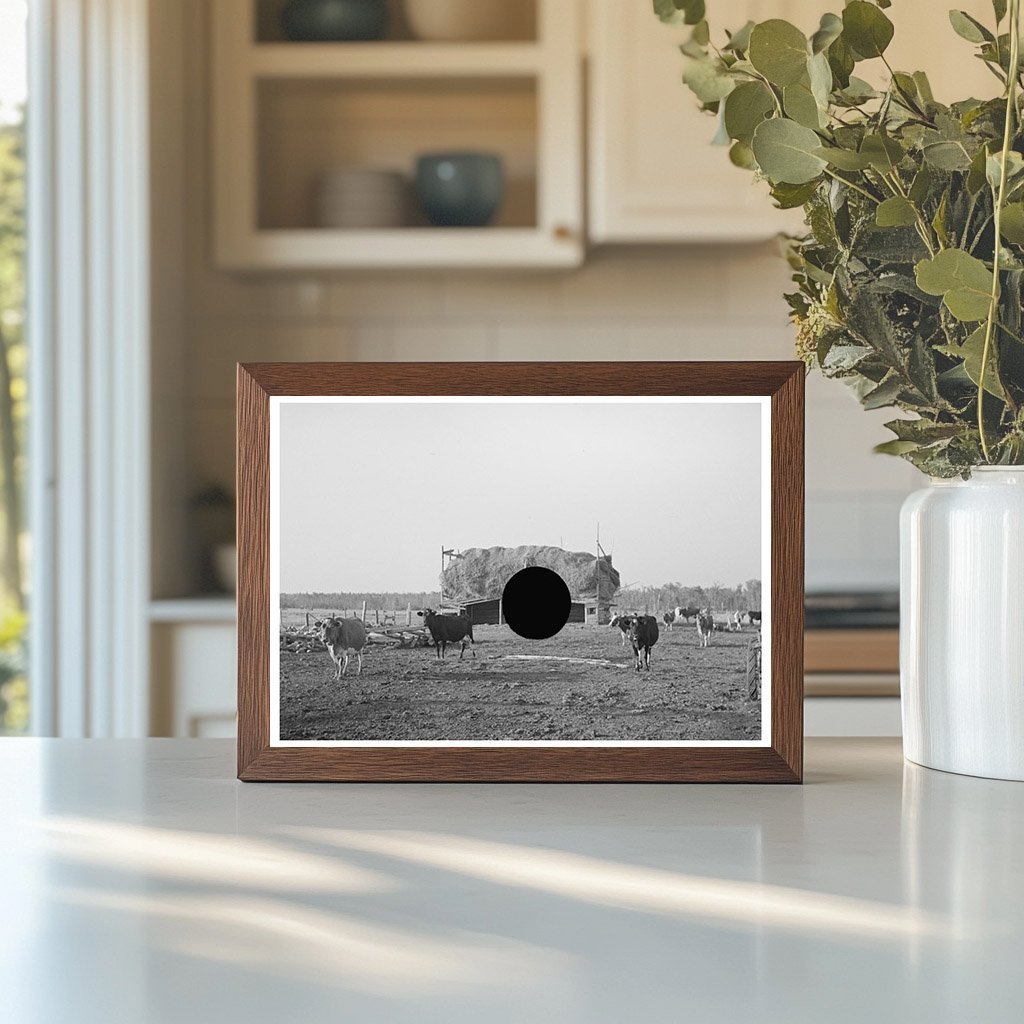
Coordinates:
[471,20]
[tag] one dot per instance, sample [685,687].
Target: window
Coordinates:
[14,696]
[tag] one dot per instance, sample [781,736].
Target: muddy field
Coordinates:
[579,684]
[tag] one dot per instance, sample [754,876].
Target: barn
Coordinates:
[486,611]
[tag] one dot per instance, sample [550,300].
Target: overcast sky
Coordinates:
[370,491]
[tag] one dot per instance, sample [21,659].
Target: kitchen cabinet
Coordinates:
[653,175]
[286,113]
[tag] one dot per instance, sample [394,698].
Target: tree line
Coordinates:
[743,597]
[354,599]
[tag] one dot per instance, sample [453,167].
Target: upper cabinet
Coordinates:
[316,143]
[653,174]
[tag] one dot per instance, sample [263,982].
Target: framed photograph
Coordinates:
[520,572]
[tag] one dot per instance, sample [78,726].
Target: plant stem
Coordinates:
[855,187]
[993,309]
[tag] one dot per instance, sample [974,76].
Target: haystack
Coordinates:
[483,572]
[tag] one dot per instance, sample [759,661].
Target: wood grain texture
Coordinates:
[852,650]
[781,762]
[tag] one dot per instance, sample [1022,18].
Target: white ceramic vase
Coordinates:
[962,624]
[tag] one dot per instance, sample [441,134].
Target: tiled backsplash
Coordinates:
[700,303]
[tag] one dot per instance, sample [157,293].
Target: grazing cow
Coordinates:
[753,617]
[705,626]
[687,613]
[340,636]
[448,629]
[736,622]
[624,623]
[669,619]
[643,635]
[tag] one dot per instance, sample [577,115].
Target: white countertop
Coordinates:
[143,885]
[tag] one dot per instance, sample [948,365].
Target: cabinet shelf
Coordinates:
[286,113]
[392,60]
[310,248]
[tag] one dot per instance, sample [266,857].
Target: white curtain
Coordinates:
[88,319]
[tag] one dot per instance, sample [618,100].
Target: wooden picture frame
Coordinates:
[779,757]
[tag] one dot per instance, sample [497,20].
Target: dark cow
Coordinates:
[624,623]
[753,617]
[448,629]
[687,613]
[669,619]
[340,636]
[643,635]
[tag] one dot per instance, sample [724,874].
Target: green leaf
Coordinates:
[971,352]
[999,7]
[1012,223]
[969,28]
[994,167]
[921,185]
[820,76]
[739,41]
[866,29]
[841,60]
[785,152]
[742,155]
[778,50]
[745,108]
[800,105]
[976,173]
[895,447]
[789,197]
[701,33]
[963,281]
[858,91]
[885,394]
[676,12]
[924,88]
[947,156]
[844,159]
[896,212]
[829,30]
[708,80]
[883,153]
[923,431]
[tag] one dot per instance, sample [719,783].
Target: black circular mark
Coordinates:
[536,603]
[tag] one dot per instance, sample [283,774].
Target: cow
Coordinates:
[624,623]
[736,622]
[686,613]
[448,629]
[643,635]
[705,626]
[753,617]
[340,636]
[669,619]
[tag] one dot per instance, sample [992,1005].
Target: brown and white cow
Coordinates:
[341,636]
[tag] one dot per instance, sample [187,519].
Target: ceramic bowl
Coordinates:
[460,189]
[334,20]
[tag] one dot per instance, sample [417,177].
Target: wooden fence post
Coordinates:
[364,612]
[408,614]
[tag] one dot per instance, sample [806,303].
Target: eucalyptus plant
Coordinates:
[910,278]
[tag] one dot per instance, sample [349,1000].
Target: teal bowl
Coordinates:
[334,21]
[460,190]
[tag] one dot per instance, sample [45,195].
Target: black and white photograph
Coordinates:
[494,570]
